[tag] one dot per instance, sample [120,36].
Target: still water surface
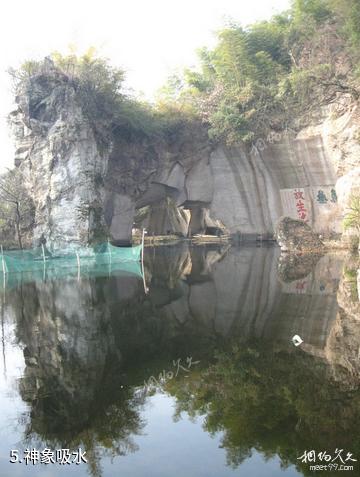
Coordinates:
[197,378]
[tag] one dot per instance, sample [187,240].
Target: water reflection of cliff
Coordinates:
[342,349]
[243,293]
[89,343]
[73,375]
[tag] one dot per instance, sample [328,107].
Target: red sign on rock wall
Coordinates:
[296,203]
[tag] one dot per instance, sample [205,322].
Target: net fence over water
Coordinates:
[85,259]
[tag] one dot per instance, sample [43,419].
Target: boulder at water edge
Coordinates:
[297,236]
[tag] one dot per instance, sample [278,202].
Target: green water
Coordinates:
[198,377]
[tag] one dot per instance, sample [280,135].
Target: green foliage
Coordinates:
[243,71]
[348,12]
[255,81]
[311,10]
[258,79]
[110,111]
[350,276]
[270,38]
[236,91]
[279,403]
[98,87]
[352,216]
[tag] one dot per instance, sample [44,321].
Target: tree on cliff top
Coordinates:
[259,78]
[108,107]
[99,85]
[255,80]
[99,92]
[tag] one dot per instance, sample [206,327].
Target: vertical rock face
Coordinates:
[306,176]
[62,163]
[347,187]
[339,131]
[246,192]
[252,190]
[120,210]
[82,192]
[165,217]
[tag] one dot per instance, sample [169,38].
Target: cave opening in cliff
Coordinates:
[215,231]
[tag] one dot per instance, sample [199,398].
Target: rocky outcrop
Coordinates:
[58,153]
[247,192]
[164,217]
[82,191]
[339,129]
[296,236]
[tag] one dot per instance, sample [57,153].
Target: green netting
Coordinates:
[39,264]
[37,259]
[16,279]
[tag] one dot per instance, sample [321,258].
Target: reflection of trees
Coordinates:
[104,428]
[275,402]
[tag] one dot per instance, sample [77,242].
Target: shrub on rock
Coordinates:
[297,236]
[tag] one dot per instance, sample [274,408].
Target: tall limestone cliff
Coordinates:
[84,192]
[60,159]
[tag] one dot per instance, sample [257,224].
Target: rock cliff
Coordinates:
[83,191]
[61,161]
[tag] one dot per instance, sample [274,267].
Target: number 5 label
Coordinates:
[14,456]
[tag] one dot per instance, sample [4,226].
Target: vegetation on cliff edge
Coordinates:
[256,80]
[100,92]
[259,78]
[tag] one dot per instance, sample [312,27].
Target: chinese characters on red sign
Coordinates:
[300,205]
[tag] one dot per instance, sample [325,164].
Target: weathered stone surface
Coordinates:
[339,130]
[120,215]
[164,218]
[237,202]
[200,183]
[244,189]
[296,236]
[174,178]
[348,185]
[252,190]
[57,150]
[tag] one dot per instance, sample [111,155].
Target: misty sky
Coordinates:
[148,38]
